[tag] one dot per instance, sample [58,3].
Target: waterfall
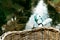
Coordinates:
[40,16]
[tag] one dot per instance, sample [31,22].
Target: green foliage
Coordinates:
[55,1]
[2,19]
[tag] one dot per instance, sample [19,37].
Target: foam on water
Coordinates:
[40,15]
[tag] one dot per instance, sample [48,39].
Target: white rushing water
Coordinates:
[40,16]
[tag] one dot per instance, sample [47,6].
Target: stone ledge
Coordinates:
[25,33]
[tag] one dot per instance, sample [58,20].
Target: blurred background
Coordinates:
[15,13]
